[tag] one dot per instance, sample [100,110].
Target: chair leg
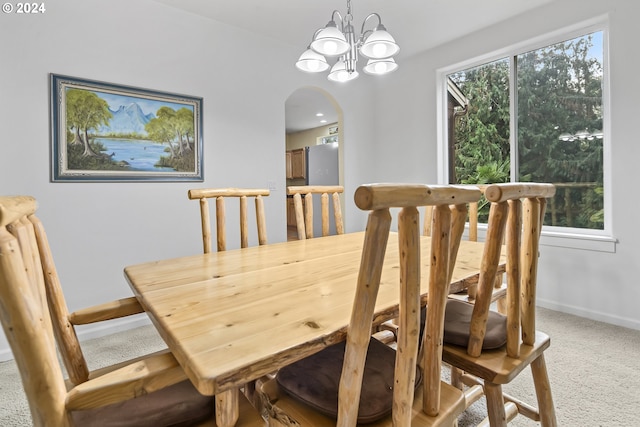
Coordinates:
[472,291]
[249,391]
[456,375]
[495,405]
[543,392]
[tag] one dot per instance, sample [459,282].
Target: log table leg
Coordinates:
[227,408]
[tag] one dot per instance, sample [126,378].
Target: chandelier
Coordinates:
[377,45]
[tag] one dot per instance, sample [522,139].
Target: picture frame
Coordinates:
[110,132]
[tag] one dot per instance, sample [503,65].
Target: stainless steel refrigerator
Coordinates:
[322,169]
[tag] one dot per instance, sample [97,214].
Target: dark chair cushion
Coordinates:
[457,320]
[314,381]
[177,405]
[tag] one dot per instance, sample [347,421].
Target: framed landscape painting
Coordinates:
[107,132]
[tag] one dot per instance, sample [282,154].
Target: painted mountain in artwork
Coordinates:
[126,120]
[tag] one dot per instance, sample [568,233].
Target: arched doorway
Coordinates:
[305,128]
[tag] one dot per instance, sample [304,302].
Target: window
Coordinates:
[535,115]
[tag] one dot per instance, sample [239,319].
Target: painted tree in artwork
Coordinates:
[85,111]
[160,130]
[184,123]
[171,126]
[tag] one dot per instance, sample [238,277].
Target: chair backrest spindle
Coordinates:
[220,194]
[304,211]
[519,209]
[70,350]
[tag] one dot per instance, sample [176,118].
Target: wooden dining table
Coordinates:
[231,317]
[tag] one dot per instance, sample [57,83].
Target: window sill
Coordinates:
[587,242]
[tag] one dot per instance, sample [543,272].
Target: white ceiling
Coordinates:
[302,107]
[417,25]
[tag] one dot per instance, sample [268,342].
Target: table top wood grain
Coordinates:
[230,317]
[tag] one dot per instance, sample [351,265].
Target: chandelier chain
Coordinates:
[348,17]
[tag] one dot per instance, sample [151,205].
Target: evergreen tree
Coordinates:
[559,92]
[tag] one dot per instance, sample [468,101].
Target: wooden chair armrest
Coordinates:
[133,380]
[106,311]
[95,373]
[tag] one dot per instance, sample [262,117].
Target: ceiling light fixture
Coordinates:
[377,45]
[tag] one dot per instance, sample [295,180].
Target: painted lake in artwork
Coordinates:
[141,155]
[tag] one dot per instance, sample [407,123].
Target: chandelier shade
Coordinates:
[379,45]
[340,73]
[312,62]
[379,67]
[330,41]
[339,40]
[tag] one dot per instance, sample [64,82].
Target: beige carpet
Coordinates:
[594,370]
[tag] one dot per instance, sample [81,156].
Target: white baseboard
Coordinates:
[590,314]
[88,332]
[6,355]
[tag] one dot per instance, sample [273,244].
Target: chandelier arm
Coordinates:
[334,13]
[365,23]
[313,37]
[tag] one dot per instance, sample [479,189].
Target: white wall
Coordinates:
[96,229]
[593,284]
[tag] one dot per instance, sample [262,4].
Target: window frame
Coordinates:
[579,238]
